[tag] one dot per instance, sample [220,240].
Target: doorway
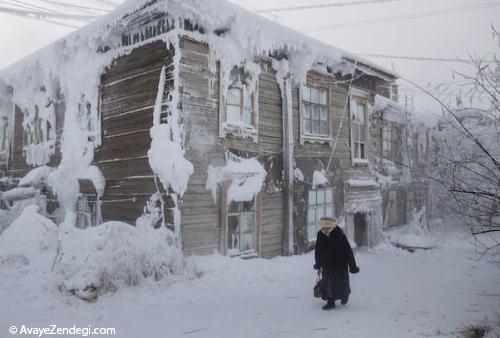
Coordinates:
[360,230]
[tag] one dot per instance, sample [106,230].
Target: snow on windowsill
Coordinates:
[319,178]
[310,138]
[239,130]
[362,183]
[247,177]
[298,175]
[249,254]
[18,193]
[360,162]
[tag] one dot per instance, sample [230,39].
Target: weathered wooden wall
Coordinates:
[201,215]
[127,96]
[310,156]
[200,107]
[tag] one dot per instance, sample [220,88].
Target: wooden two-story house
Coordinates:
[236,132]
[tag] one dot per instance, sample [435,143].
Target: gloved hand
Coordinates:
[316,267]
[355,269]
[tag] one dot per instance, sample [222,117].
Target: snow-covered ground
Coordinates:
[396,294]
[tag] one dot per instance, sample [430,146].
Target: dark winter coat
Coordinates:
[334,256]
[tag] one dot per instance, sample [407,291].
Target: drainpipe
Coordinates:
[288,149]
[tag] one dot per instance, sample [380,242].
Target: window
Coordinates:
[315,119]
[358,130]
[86,212]
[320,204]
[239,105]
[241,227]
[387,142]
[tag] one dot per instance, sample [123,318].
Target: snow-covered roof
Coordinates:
[390,110]
[254,34]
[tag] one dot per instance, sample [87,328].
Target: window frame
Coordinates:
[224,223]
[311,236]
[86,208]
[240,214]
[309,136]
[238,129]
[363,101]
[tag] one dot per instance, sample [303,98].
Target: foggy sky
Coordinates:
[457,35]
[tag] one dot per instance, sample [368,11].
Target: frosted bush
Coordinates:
[114,255]
[93,261]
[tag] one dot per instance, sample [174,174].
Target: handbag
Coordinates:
[317,286]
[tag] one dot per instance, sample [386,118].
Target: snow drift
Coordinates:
[29,240]
[115,255]
[90,262]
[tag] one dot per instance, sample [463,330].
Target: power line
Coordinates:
[320,6]
[45,15]
[420,58]
[403,17]
[23,5]
[76,7]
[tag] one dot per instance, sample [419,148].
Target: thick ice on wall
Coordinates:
[166,155]
[36,176]
[390,110]
[246,175]
[319,178]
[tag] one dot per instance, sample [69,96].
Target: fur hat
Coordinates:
[327,222]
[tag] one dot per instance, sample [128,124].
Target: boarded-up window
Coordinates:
[241,226]
[358,129]
[320,204]
[315,116]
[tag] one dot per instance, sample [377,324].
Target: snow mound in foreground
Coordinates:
[414,235]
[29,240]
[105,258]
[90,262]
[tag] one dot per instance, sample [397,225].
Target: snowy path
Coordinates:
[396,295]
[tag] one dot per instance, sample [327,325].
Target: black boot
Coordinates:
[329,305]
[344,300]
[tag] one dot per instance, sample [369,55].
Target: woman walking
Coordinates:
[334,257]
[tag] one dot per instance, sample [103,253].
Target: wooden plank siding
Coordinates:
[310,155]
[127,94]
[201,215]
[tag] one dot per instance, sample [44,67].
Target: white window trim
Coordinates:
[225,223]
[312,237]
[225,126]
[239,214]
[311,138]
[364,98]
